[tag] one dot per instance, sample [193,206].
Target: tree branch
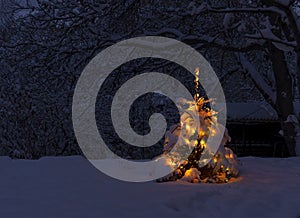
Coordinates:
[258,81]
[289,44]
[262,10]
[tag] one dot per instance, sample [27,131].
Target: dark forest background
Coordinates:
[253,46]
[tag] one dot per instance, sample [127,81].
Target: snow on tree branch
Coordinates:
[258,79]
[280,44]
[201,9]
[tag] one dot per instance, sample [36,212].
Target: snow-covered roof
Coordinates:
[254,111]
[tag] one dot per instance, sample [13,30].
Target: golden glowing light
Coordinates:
[188,172]
[208,127]
[201,134]
[197,71]
[215,159]
[186,141]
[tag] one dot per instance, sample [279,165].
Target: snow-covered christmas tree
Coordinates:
[202,165]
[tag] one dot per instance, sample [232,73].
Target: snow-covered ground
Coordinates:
[71,187]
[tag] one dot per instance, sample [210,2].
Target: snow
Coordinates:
[228,20]
[284,2]
[71,187]
[197,10]
[291,119]
[257,77]
[257,110]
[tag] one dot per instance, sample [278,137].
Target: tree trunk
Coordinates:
[298,71]
[284,100]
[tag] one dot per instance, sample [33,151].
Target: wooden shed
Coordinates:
[255,130]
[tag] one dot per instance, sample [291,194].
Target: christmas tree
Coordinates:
[202,165]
